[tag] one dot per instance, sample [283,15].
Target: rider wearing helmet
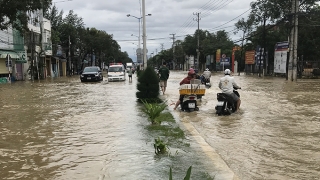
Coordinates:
[226,84]
[186,80]
[206,76]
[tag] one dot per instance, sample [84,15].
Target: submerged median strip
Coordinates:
[172,150]
[168,136]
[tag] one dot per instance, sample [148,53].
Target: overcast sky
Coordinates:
[167,17]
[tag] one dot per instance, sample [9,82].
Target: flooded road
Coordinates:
[63,129]
[274,136]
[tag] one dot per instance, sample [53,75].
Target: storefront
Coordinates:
[12,64]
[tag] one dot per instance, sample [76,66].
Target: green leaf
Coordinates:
[188,175]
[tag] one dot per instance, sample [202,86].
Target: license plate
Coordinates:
[191,105]
[220,103]
[88,77]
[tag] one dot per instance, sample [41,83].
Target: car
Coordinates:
[116,72]
[91,73]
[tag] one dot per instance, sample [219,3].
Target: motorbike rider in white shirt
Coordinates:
[205,77]
[226,84]
[207,74]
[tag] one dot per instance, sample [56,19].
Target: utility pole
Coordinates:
[173,48]
[32,55]
[69,57]
[198,34]
[162,47]
[295,45]
[292,64]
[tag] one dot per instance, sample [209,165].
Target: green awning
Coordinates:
[4,53]
[20,61]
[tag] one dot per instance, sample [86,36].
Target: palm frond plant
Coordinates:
[187,177]
[153,110]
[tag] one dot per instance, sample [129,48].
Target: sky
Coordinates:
[167,17]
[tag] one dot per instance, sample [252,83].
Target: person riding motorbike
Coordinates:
[226,84]
[186,80]
[205,77]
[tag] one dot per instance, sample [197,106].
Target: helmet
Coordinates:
[207,69]
[191,72]
[227,72]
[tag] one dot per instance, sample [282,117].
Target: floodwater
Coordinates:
[62,129]
[275,135]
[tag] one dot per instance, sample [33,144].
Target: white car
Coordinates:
[116,72]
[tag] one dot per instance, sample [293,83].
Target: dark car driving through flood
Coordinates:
[91,73]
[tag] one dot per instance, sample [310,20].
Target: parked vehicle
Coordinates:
[130,65]
[226,105]
[116,72]
[91,73]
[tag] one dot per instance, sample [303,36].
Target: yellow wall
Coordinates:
[3,68]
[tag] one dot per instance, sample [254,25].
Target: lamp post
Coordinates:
[139,20]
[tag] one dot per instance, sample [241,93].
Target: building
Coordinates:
[12,55]
[28,56]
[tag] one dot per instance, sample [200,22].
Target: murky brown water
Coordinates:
[274,136]
[64,129]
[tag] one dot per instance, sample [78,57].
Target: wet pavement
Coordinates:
[64,129]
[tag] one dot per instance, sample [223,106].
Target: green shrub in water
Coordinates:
[153,110]
[159,146]
[148,84]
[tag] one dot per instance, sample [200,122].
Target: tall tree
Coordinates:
[13,12]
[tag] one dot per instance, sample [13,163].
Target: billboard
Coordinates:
[259,56]
[280,57]
[249,57]
[218,55]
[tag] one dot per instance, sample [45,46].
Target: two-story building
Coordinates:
[24,56]
[12,55]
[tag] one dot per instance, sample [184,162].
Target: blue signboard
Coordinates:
[225,61]
[259,56]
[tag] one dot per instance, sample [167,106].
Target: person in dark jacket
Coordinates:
[163,76]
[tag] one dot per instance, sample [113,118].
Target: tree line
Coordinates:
[268,22]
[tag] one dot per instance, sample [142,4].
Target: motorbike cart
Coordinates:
[191,92]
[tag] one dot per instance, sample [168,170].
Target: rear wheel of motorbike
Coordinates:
[228,111]
[191,110]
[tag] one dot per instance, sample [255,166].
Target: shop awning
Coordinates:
[4,53]
[20,61]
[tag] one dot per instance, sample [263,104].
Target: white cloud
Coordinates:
[168,17]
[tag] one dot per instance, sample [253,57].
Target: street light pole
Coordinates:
[144,36]
[139,46]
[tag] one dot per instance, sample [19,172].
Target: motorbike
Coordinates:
[189,100]
[189,103]
[205,81]
[226,105]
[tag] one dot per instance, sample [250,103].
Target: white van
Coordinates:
[116,72]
